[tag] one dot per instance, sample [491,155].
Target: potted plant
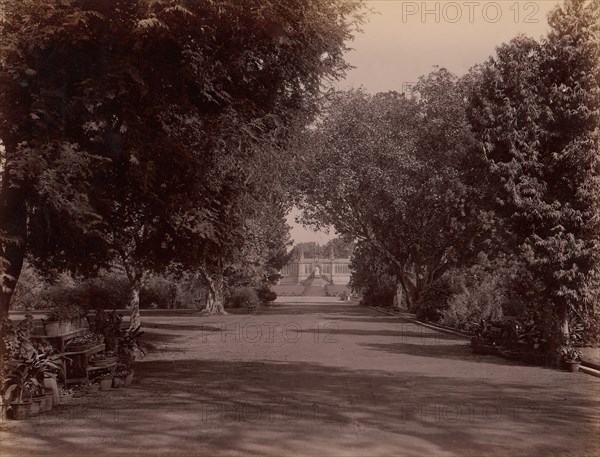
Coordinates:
[38,400]
[49,400]
[79,391]
[106,381]
[84,342]
[45,366]
[52,323]
[65,394]
[3,408]
[51,387]
[109,326]
[92,387]
[103,359]
[76,315]
[571,358]
[16,391]
[58,321]
[120,376]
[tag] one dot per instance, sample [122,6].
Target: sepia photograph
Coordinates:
[300,228]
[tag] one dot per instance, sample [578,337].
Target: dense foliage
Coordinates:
[535,108]
[479,196]
[376,173]
[140,132]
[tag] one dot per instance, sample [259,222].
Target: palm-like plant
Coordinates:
[29,373]
[18,382]
[45,363]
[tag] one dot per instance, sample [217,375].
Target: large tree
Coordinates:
[133,127]
[394,172]
[535,108]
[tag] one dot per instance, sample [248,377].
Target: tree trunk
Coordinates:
[410,290]
[214,297]
[13,234]
[564,322]
[134,303]
[398,295]
[137,278]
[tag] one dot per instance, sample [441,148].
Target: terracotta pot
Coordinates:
[119,381]
[66,398]
[79,393]
[93,388]
[52,328]
[106,384]
[49,402]
[36,405]
[64,327]
[572,365]
[51,385]
[20,410]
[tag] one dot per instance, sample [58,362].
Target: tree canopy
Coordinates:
[136,129]
[535,109]
[376,172]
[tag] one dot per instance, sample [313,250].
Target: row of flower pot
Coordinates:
[529,357]
[21,410]
[110,381]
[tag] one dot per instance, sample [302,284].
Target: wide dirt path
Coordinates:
[319,379]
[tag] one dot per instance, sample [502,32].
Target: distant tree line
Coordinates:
[312,250]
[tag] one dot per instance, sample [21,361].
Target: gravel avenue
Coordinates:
[319,378]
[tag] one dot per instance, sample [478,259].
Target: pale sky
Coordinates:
[405,39]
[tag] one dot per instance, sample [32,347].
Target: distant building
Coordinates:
[329,269]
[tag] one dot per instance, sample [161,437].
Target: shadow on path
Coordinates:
[193,407]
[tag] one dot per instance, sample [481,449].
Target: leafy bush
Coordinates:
[16,343]
[29,290]
[159,292]
[108,326]
[109,290]
[378,297]
[478,295]
[266,295]
[585,329]
[464,297]
[434,299]
[242,297]
[479,299]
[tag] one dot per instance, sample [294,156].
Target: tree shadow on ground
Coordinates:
[426,337]
[194,407]
[371,319]
[314,308]
[424,348]
[179,327]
